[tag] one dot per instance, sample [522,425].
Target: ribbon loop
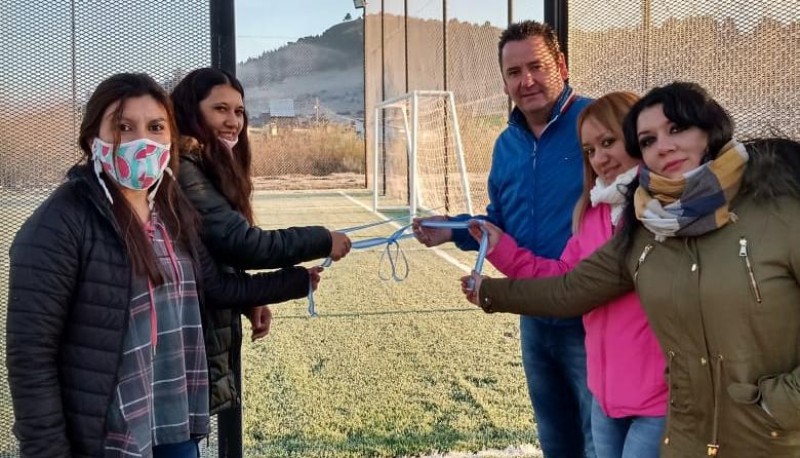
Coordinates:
[393,253]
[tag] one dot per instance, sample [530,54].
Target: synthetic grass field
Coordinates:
[389,368]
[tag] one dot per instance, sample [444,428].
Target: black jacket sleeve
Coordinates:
[242,290]
[230,238]
[43,276]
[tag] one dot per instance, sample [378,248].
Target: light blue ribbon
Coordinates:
[484,244]
[362,244]
[393,253]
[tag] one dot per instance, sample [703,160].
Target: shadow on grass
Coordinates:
[385,312]
[390,444]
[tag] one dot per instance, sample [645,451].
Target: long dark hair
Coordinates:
[687,105]
[230,173]
[173,208]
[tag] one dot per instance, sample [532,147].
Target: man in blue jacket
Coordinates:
[534,183]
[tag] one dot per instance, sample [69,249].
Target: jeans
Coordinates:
[188,449]
[628,437]
[554,359]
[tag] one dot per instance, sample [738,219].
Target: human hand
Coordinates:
[340,245]
[314,276]
[495,233]
[260,321]
[471,287]
[430,236]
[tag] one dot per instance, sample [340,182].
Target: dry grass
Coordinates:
[317,151]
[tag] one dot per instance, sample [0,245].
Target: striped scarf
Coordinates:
[695,203]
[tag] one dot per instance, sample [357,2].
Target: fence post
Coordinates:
[555,14]
[223,34]
[223,56]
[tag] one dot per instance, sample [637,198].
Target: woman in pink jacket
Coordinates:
[626,367]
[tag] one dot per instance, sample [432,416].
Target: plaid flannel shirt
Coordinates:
[162,393]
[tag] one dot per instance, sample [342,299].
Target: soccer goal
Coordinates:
[419,156]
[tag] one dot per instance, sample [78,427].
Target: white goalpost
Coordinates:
[418,155]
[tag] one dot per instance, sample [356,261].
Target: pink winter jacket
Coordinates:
[625,364]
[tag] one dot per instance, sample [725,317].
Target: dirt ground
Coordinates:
[310,182]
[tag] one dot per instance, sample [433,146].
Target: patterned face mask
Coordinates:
[137,165]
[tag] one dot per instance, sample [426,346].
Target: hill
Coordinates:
[325,70]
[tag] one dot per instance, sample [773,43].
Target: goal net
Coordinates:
[419,157]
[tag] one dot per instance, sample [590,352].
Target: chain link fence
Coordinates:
[444,45]
[305,104]
[54,54]
[746,55]
[441,45]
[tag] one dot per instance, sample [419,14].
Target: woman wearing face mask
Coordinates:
[625,366]
[104,347]
[215,175]
[710,243]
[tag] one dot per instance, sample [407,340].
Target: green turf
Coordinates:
[388,369]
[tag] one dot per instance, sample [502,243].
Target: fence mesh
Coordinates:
[422,125]
[55,53]
[435,45]
[305,108]
[747,56]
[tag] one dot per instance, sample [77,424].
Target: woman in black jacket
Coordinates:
[104,350]
[215,175]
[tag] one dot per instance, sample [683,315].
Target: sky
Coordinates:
[264,25]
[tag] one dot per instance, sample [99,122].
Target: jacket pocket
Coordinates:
[747,397]
[780,395]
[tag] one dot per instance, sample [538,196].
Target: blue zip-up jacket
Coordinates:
[535,183]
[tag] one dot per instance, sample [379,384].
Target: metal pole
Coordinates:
[383,88]
[223,56]
[383,49]
[509,104]
[555,14]
[364,79]
[460,152]
[447,133]
[413,159]
[376,147]
[444,43]
[405,35]
[223,35]
[74,65]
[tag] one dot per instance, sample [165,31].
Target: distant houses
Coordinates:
[281,115]
[284,115]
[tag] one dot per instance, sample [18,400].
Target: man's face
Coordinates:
[532,77]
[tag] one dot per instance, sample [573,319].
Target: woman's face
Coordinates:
[223,111]
[605,151]
[141,117]
[668,149]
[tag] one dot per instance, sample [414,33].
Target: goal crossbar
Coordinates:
[410,102]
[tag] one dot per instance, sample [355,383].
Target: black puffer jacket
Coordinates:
[236,245]
[67,313]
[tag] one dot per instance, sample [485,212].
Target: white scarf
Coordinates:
[613,194]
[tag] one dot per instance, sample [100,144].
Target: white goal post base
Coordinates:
[419,161]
